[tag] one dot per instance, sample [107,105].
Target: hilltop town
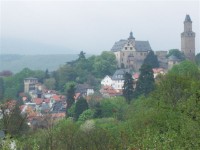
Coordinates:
[97,87]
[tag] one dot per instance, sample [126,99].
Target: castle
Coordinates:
[131,53]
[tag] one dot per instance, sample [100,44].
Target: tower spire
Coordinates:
[131,36]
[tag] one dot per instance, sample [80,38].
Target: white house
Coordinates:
[106,81]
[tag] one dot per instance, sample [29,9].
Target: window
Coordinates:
[123,54]
[125,48]
[131,48]
[141,54]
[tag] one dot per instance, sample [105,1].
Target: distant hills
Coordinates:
[16,63]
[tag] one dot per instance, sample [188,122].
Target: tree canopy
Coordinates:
[151,60]
[145,83]
[128,87]
[177,53]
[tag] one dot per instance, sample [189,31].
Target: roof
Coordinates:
[187,18]
[173,58]
[139,45]
[31,78]
[119,74]
[142,46]
[38,101]
[118,45]
[82,88]
[136,76]
[56,97]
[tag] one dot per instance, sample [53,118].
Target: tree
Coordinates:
[145,83]
[70,95]
[80,107]
[128,87]
[197,59]
[46,76]
[176,53]
[50,83]
[14,122]
[1,88]
[105,64]
[186,69]
[151,60]
[81,55]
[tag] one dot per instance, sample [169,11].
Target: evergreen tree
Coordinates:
[80,107]
[46,76]
[1,88]
[151,60]
[70,95]
[81,55]
[128,87]
[145,83]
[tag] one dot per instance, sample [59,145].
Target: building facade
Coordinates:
[188,39]
[130,53]
[30,84]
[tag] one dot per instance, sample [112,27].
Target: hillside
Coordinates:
[16,63]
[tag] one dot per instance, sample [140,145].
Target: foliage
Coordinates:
[177,53]
[128,87]
[50,83]
[13,122]
[186,69]
[86,115]
[70,95]
[151,60]
[197,59]
[2,89]
[15,84]
[80,106]
[145,83]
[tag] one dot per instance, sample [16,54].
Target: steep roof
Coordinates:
[139,45]
[119,74]
[118,45]
[187,18]
[142,46]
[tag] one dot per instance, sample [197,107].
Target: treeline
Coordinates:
[82,70]
[166,118]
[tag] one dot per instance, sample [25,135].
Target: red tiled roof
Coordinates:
[56,97]
[157,70]
[47,100]
[136,76]
[38,101]
[77,96]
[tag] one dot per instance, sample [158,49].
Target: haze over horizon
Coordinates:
[68,27]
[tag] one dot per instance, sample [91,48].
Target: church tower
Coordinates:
[188,39]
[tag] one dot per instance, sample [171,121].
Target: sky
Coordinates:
[64,27]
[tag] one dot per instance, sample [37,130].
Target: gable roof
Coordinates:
[119,74]
[142,46]
[139,45]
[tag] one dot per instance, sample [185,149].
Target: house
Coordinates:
[109,91]
[84,90]
[157,71]
[118,78]
[107,81]
[173,60]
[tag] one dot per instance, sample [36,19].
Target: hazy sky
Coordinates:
[94,26]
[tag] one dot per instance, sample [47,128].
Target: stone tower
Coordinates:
[188,39]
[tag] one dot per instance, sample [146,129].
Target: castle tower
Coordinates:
[188,39]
